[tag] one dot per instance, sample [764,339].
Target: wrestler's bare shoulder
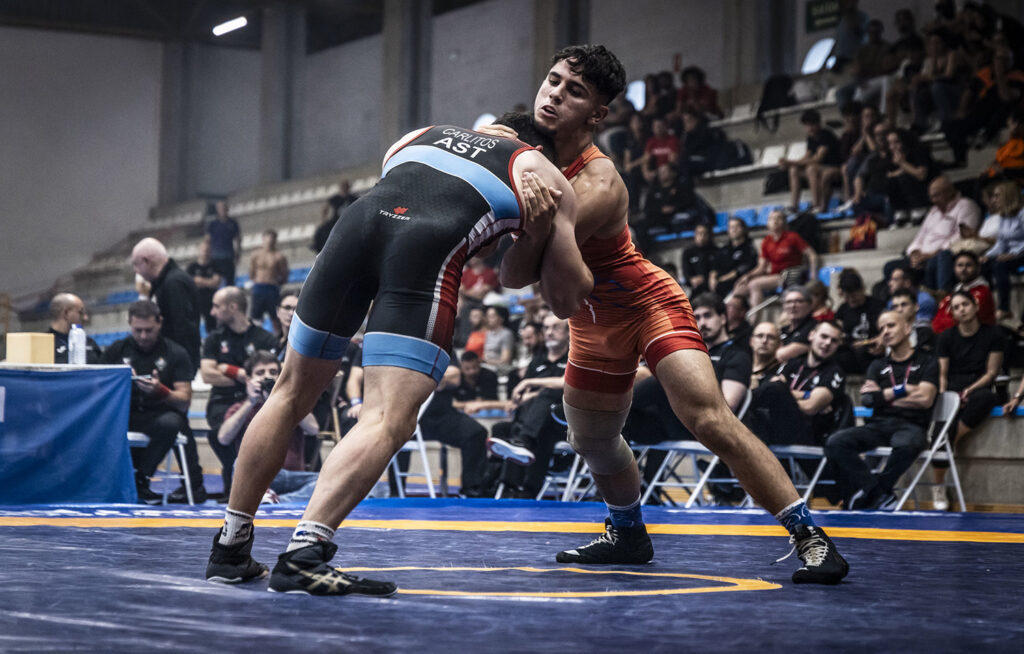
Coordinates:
[602,198]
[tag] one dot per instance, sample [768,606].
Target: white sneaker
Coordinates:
[939,501]
[846,206]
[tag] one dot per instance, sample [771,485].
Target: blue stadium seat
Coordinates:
[748,216]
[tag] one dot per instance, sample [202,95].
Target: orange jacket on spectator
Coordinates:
[1010,155]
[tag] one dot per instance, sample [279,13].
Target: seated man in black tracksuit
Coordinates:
[900,388]
[161,392]
[798,403]
[530,439]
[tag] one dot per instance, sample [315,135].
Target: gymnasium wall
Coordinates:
[482,61]
[78,148]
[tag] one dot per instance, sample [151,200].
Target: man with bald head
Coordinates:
[174,291]
[67,309]
[928,254]
[225,351]
[900,388]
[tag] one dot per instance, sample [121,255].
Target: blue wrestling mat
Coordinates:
[480,576]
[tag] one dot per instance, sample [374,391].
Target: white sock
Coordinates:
[236,529]
[309,533]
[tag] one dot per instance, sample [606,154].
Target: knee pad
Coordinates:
[597,437]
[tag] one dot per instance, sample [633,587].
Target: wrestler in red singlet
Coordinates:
[636,309]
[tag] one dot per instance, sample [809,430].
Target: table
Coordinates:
[63,434]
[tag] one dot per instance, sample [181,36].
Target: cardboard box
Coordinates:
[29,347]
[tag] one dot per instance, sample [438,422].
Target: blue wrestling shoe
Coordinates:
[627,545]
[233,564]
[306,571]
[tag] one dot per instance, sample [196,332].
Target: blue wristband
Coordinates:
[899,391]
[807,394]
[356,401]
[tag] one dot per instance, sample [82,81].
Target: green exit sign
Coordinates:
[821,15]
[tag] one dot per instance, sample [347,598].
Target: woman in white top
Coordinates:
[1007,255]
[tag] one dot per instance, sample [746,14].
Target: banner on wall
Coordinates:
[63,435]
[821,15]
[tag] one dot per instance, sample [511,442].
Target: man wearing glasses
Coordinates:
[795,337]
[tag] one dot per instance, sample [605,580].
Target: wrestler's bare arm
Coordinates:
[601,201]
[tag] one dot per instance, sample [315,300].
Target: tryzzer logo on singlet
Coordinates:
[398,213]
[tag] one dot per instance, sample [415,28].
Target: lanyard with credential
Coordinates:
[910,364]
[793,384]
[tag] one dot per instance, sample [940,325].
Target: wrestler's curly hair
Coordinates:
[597,66]
[528,132]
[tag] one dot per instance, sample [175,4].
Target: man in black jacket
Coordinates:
[174,292]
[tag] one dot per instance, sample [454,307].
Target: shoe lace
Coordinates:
[611,535]
[812,550]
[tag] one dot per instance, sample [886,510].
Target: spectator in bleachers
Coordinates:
[207,282]
[696,95]
[268,272]
[665,198]
[906,58]
[471,334]
[262,369]
[174,292]
[499,341]
[796,312]
[821,303]
[871,182]
[700,143]
[782,254]
[908,177]
[865,144]
[905,302]
[661,148]
[698,260]
[1007,255]
[901,277]
[67,309]
[900,388]
[285,312]
[478,279]
[820,166]
[661,94]
[858,316]
[937,88]
[992,95]
[735,260]
[530,344]
[530,438]
[161,393]
[849,139]
[799,403]
[967,271]
[764,342]
[475,381]
[736,307]
[1010,408]
[970,357]
[225,242]
[330,213]
[225,352]
[868,69]
[1009,160]
[634,159]
[928,254]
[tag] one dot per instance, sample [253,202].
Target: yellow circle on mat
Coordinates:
[734,584]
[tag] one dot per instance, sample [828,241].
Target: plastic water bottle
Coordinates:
[76,346]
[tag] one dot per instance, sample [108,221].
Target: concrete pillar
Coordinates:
[405,83]
[556,25]
[174,121]
[282,48]
[741,38]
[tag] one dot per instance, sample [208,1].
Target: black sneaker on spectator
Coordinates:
[233,564]
[822,562]
[146,495]
[306,571]
[516,453]
[179,496]
[629,546]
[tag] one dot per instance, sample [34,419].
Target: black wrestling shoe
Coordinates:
[233,564]
[179,496]
[306,571]
[822,562]
[146,495]
[510,451]
[630,545]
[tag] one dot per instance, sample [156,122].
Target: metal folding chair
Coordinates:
[138,439]
[415,444]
